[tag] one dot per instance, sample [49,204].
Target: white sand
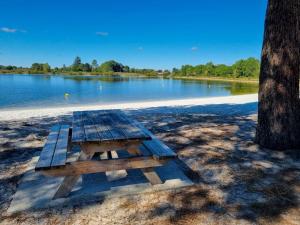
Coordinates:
[55,111]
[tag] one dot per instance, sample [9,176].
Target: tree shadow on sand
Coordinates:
[235,179]
[240,180]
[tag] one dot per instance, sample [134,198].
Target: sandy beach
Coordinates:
[236,181]
[55,111]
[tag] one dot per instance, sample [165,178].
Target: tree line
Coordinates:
[245,68]
[242,68]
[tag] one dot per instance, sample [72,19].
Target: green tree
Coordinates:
[46,68]
[199,70]
[86,67]
[246,68]
[9,67]
[94,65]
[77,65]
[64,68]
[126,69]
[209,69]
[37,67]
[223,70]
[111,66]
[187,70]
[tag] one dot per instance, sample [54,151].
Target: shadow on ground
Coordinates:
[236,180]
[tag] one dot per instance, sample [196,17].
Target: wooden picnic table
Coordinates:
[101,132]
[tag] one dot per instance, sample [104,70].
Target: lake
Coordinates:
[34,91]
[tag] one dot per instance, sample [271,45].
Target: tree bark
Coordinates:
[278,108]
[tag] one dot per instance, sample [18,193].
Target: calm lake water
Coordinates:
[60,90]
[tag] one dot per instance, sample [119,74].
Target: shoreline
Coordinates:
[236,80]
[212,78]
[17,114]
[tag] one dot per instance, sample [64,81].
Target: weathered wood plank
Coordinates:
[60,154]
[105,124]
[102,130]
[108,124]
[157,147]
[86,167]
[78,134]
[91,133]
[49,148]
[93,147]
[130,130]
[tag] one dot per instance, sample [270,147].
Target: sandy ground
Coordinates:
[236,181]
[15,114]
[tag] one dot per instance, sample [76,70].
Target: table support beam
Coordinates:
[148,172]
[152,176]
[69,181]
[89,166]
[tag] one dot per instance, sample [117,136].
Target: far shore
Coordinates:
[239,80]
[16,114]
[204,78]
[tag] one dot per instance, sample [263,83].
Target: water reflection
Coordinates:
[62,90]
[104,78]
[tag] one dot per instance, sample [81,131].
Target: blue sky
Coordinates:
[139,33]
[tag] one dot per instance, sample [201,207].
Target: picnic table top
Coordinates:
[105,126]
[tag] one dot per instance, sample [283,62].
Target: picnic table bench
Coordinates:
[101,132]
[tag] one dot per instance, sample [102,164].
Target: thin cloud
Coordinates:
[102,33]
[12,30]
[8,30]
[194,48]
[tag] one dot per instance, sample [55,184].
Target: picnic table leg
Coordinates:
[149,173]
[152,176]
[69,181]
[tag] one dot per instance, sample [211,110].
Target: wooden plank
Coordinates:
[101,127]
[145,132]
[116,125]
[86,167]
[78,134]
[91,133]
[152,176]
[109,124]
[120,129]
[157,147]
[130,130]
[48,150]
[93,147]
[60,154]
[106,122]
[134,123]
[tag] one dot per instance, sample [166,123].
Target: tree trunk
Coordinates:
[278,108]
